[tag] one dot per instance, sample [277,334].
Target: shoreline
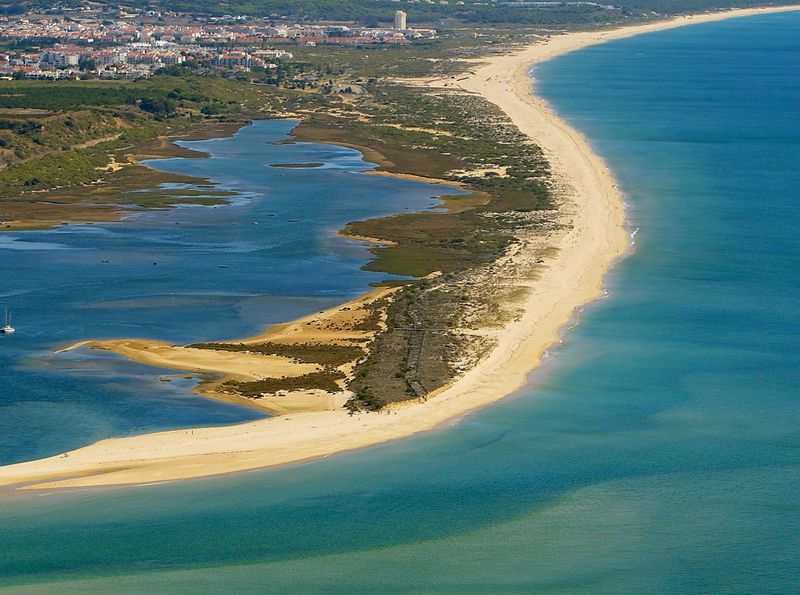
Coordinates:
[121,163]
[597,238]
[218,367]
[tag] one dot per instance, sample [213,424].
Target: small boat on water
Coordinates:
[7,329]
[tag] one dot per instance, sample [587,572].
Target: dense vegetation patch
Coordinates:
[325,380]
[318,353]
[59,134]
[186,91]
[374,12]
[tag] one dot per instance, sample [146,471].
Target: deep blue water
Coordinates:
[163,279]
[657,452]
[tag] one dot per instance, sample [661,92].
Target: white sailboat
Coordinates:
[7,329]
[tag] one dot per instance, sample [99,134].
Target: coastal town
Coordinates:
[83,43]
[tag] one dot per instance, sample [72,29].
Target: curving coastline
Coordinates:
[572,278]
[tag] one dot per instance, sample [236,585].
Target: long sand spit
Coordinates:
[339,325]
[572,278]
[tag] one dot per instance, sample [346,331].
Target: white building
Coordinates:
[234,59]
[59,59]
[400,20]
[274,54]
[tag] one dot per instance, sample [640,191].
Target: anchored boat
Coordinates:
[7,329]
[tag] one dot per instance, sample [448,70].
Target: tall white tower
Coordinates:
[400,20]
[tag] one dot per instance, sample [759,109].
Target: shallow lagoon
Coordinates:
[186,274]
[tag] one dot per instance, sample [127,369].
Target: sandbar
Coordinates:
[573,277]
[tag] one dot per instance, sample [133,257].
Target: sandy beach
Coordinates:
[593,241]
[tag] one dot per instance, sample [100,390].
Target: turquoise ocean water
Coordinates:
[659,451]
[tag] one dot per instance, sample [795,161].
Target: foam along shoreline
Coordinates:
[595,239]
